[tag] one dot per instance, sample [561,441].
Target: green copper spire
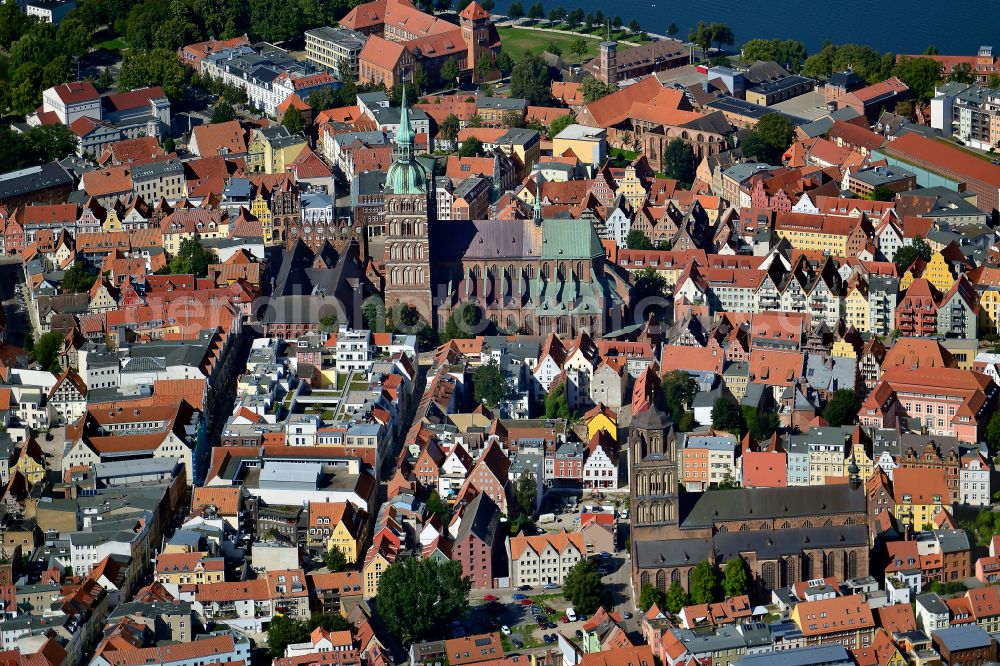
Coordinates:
[538,198]
[404,135]
[406,175]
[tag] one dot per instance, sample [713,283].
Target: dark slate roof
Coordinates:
[962,637]
[32,179]
[764,503]
[847,80]
[482,239]
[653,418]
[481,518]
[671,552]
[771,544]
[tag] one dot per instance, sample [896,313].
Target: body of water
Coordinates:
[887,26]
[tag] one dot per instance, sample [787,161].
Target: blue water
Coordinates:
[956,27]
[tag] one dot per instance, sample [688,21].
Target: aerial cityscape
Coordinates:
[371,333]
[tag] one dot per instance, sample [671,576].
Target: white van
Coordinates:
[571,614]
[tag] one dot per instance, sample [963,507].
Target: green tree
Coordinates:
[526,493]
[704,583]
[449,127]
[335,560]
[106,80]
[557,14]
[159,67]
[583,587]
[553,48]
[905,109]
[760,425]
[672,29]
[678,161]
[77,279]
[223,112]
[882,193]
[962,73]
[561,123]
[491,385]
[530,80]
[594,90]
[931,50]
[557,404]
[505,63]
[727,415]
[418,599]
[578,46]
[637,240]
[865,61]
[650,293]
[192,258]
[450,70]
[907,254]
[769,139]
[46,351]
[921,75]
[373,314]
[574,17]
[516,10]
[512,119]
[283,631]
[722,34]
[329,621]
[735,578]
[701,36]
[439,507]
[649,596]
[46,143]
[842,408]
[536,11]
[421,79]
[676,598]
[13,22]
[471,147]
[328,323]
[788,53]
[679,390]
[293,120]
[994,81]
[993,433]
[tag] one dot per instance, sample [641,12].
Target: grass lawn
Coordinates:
[116,44]
[518,42]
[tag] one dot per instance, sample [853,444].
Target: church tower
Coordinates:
[653,475]
[408,211]
[475,33]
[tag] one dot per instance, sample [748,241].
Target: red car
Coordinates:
[564,619]
[489,597]
[527,602]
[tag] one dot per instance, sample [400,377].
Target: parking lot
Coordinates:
[526,619]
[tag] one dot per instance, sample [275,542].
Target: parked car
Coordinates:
[548,638]
[519,597]
[517,644]
[579,633]
[605,554]
[505,629]
[627,615]
[524,588]
[489,597]
[526,602]
[564,619]
[550,586]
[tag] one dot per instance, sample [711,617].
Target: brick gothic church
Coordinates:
[536,276]
[785,535]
